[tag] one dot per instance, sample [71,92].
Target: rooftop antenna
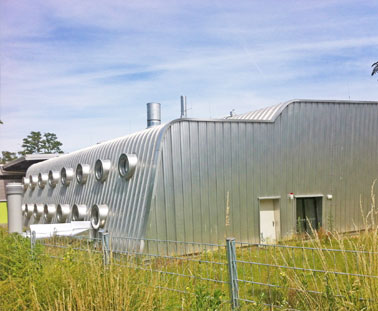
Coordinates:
[184,108]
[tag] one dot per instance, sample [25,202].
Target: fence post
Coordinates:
[33,238]
[232,272]
[105,247]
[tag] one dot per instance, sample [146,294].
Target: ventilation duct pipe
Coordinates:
[49,212]
[184,108]
[153,114]
[38,211]
[63,212]
[99,213]
[79,211]
[15,192]
[28,210]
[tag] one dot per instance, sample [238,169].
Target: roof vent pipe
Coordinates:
[153,114]
[184,108]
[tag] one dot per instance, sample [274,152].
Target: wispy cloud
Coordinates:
[85,69]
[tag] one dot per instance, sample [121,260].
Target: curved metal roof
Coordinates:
[271,113]
[127,199]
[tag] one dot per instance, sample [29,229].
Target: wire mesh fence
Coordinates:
[281,275]
[264,276]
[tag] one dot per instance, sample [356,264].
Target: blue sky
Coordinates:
[86,69]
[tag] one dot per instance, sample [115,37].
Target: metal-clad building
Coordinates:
[259,176]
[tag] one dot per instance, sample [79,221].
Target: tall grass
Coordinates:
[32,280]
[311,289]
[78,280]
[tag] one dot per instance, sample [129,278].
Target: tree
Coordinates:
[35,142]
[51,144]
[375,68]
[7,156]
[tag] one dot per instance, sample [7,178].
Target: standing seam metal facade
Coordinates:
[200,180]
[301,147]
[127,199]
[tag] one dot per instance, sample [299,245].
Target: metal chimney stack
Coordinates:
[153,114]
[183,107]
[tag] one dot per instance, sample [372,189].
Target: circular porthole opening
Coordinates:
[99,213]
[33,180]
[53,178]
[102,168]
[82,172]
[49,212]
[38,211]
[42,180]
[79,211]
[25,182]
[66,176]
[127,164]
[28,210]
[62,212]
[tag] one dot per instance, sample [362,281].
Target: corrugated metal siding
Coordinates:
[210,173]
[128,201]
[311,148]
[264,114]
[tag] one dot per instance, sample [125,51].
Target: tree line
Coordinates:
[35,142]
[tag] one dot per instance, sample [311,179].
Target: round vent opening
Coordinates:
[79,211]
[38,211]
[25,182]
[49,212]
[42,180]
[66,176]
[99,213]
[53,178]
[28,210]
[82,173]
[127,164]
[62,212]
[102,169]
[33,180]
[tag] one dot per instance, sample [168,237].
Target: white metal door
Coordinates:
[267,223]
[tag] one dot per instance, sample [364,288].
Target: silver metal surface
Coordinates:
[210,174]
[66,176]
[25,182]
[184,108]
[199,180]
[128,200]
[153,114]
[29,208]
[33,181]
[14,192]
[99,214]
[63,212]
[102,169]
[49,212]
[127,164]
[42,180]
[79,212]
[82,173]
[53,178]
[38,211]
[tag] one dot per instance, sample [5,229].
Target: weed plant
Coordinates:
[321,271]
